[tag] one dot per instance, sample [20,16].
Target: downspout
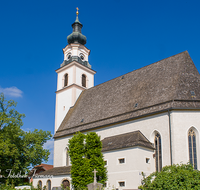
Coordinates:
[170,136]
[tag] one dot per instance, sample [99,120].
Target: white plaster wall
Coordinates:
[67,52]
[60,82]
[89,77]
[66,97]
[63,103]
[56,181]
[59,151]
[182,121]
[76,50]
[147,126]
[78,92]
[130,171]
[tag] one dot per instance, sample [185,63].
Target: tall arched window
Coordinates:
[66,80]
[67,157]
[83,80]
[192,148]
[158,153]
[40,184]
[48,185]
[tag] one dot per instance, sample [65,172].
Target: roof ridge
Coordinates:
[123,134]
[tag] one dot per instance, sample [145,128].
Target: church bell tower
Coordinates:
[75,73]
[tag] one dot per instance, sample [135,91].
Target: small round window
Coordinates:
[69,56]
[82,57]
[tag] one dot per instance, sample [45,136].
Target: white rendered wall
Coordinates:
[63,103]
[131,171]
[147,126]
[182,121]
[66,96]
[89,77]
[56,181]
[61,75]
[76,50]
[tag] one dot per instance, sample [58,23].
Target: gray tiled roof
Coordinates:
[126,140]
[64,170]
[162,85]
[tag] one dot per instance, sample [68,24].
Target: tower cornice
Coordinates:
[76,64]
[71,86]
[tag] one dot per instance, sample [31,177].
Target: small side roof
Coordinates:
[126,140]
[44,166]
[64,170]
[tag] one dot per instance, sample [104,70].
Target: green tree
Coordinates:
[175,177]
[85,154]
[18,149]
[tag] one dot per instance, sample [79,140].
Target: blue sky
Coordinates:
[122,36]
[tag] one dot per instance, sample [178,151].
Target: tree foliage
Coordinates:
[85,154]
[175,177]
[18,149]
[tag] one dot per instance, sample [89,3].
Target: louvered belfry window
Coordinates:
[158,153]
[83,80]
[192,148]
[66,80]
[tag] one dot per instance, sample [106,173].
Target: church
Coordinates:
[147,119]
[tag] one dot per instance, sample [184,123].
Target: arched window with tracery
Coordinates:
[192,148]
[66,80]
[158,153]
[49,185]
[83,80]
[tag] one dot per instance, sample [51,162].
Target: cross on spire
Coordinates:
[77,11]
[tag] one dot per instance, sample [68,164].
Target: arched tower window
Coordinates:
[48,185]
[83,80]
[192,148]
[158,153]
[66,80]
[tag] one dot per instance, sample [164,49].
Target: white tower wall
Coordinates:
[66,96]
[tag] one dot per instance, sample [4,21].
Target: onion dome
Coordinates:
[76,36]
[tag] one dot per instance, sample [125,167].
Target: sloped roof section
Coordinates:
[64,170]
[165,84]
[126,140]
[44,166]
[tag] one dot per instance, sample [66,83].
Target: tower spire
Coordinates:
[77,13]
[76,36]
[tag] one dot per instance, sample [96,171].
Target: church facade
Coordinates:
[147,119]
